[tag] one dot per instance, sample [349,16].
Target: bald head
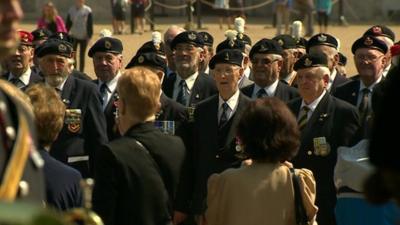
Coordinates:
[169,35]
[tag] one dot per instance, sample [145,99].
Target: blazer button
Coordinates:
[217,156]
[309,152]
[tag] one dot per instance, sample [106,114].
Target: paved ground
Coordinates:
[256,31]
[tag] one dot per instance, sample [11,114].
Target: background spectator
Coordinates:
[50,19]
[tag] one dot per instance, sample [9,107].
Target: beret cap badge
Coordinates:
[62,48]
[107,44]
[263,48]
[192,36]
[307,62]
[368,41]
[226,56]
[141,59]
[280,42]
[322,38]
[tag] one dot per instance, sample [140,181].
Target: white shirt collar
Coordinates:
[386,70]
[24,78]
[112,84]
[371,87]
[247,72]
[313,105]
[271,89]
[232,103]
[332,77]
[189,83]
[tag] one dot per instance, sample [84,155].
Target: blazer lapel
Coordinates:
[68,90]
[318,117]
[242,104]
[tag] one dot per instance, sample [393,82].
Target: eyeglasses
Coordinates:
[263,61]
[228,71]
[368,58]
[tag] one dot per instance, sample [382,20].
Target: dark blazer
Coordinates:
[63,190]
[210,149]
[348,92]
[203,87]
[339,80]
[132,186]
[80,75]
[171,110]
[86,137]
[337,121]
[109,113]
[283,91]
[33,79]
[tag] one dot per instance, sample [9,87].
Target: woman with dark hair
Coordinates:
[262,193]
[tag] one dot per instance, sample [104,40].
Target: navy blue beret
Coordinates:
[369,42]
[311,60]
[54,46]
[189,37]
[231,44]
[380,30]
[285,41]
[150,59]
[228,56]
[106,44]
[322,39]
[266,46]
[207,38]
[149,47]
[41,34]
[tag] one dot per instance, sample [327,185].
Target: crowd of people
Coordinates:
[194,132]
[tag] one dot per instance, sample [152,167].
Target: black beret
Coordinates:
[245,38]
[228,44]
[148,59]
[207,38]
[266,46]
[106,44]
[285,41]
[380,30]
[311,60]
[189,37]
[62,36]
[322,39]
[54,46]
[229,56]
[41,34]
[342,59]
[150,47]
[301,43]
[369,42]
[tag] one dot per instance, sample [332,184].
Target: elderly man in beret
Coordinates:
[107,62]
[19,63]
[212,133]
[370,60]
[325,123]
[208,40]
[328,45]
[267,61]
[188,86]
[290,56]
[84,128]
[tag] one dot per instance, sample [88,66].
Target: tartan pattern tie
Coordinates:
[262,93]
[224,116]
[182,94]
[302,122]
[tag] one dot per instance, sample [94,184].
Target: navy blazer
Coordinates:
[84,139]
[337,121]
[135,186]
[210,149]
[283,91]
[63,190]
[203,87]
[33,79]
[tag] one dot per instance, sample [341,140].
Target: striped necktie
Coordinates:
[303,117]
[262,93]
[182,94]
[224,115]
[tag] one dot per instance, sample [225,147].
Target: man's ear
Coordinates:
[325,78]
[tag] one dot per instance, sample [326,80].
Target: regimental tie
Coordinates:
[103,93]
[17,82]
[262,93]
[224,115]
[183,93]
[302,122]
[364,109]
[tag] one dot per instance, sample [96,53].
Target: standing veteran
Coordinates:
[267,61]
[325,123]
[19,63]
[107,62]
[189,86]
[211,145]
[21,168]
[136,175]
[84,129]
[290,56]
[328,45]
[370,60]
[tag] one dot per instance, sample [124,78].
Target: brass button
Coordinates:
[309,152]
[217,156]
